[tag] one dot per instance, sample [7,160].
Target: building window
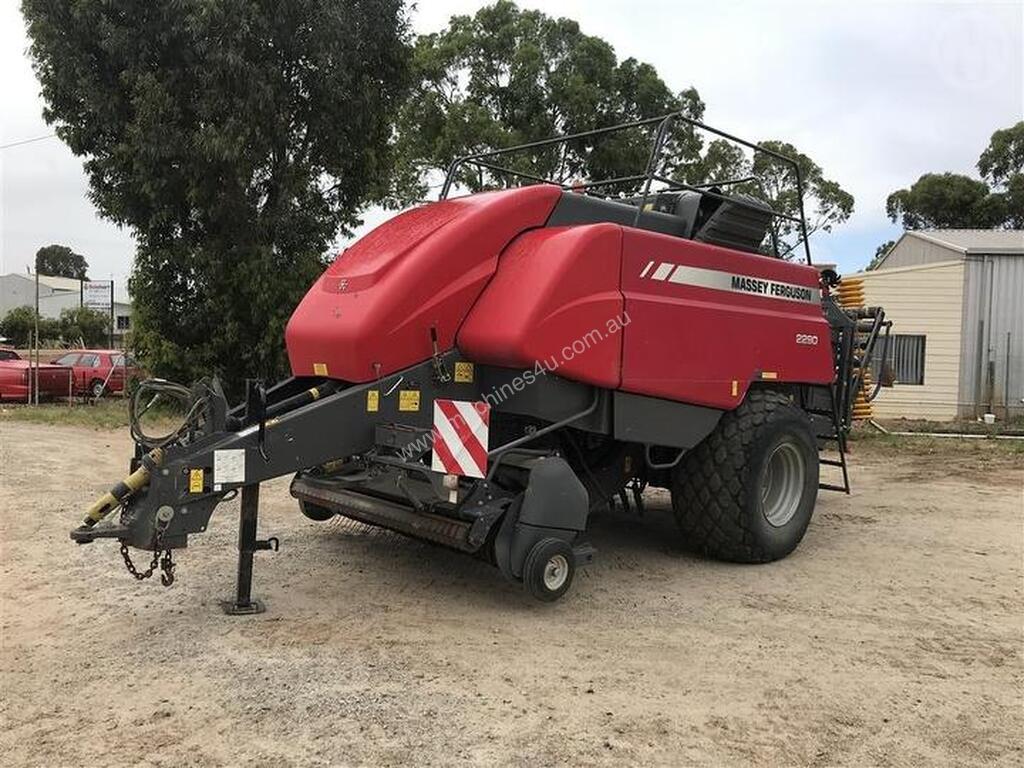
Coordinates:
[905,357]
[123,322]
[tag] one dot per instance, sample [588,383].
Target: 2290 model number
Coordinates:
[808,339]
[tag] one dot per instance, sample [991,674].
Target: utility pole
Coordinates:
[111,312]
[36,334]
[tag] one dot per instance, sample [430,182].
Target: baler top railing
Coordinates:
[664,123]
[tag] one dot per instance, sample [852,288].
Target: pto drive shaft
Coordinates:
[116,496]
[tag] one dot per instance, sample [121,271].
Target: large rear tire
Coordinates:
[747,492]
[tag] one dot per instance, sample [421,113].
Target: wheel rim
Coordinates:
[782,485]
[556,571]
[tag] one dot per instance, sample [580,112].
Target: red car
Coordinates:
[16,377]
[97,371]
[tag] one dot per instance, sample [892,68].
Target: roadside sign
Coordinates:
[98,294]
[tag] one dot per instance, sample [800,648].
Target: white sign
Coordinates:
[228,466]
[96,294]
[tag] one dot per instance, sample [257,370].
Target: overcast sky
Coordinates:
[877,93]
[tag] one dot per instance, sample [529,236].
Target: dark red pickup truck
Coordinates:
[16,377]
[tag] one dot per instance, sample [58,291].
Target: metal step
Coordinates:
[830,487]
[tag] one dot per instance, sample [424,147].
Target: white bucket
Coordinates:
[990,418]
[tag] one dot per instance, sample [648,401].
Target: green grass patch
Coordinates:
[952,454]
[1014,426]
[108,413]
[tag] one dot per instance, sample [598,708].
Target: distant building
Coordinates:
[57,294]
[956,299]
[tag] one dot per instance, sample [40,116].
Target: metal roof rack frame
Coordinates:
[481,160]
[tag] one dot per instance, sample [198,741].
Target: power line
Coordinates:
[27,141]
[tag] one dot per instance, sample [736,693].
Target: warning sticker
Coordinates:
[195,481]
[229,466]
[409,400]
[372,400]
[320,369]
[463,373]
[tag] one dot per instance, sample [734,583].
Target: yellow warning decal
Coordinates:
[195,481]
[735,388]
[769,375]
[320,369]
[409,400]
[463,373]
[372,400]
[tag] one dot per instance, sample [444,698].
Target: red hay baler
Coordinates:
[483,372]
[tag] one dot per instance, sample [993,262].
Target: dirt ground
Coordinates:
[893,636]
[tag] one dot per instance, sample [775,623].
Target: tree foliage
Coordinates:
[507,76]
[944,200]
[1004,157]
[236,139]
[61,261]
[77,326]
[880,253]
[950,200]
[84,326]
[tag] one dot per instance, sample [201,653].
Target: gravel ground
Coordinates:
[893,636]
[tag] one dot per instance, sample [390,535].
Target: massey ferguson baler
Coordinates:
[483,372]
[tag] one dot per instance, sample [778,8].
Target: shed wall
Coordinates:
[912,251]
[922,300]
[992,348]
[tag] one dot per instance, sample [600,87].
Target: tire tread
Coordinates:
[708,488]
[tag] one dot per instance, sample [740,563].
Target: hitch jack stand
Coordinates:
[248,544]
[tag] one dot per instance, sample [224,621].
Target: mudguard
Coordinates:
[554,505]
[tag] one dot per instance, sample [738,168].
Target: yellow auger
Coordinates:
[116,496]
[851,296]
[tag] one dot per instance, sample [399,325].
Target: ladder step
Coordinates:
[831,462]
[830,487]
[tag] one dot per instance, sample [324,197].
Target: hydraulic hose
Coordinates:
[305,397]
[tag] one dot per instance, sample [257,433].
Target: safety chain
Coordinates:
[165,563]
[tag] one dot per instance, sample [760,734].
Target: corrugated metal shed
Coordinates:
[990,314]
[992,373]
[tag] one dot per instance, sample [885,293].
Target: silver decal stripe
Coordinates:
[727,281]
[646,269]
[662,271]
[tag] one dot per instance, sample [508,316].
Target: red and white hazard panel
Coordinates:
[461,430]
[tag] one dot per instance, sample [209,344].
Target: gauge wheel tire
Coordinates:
[747,492]
[549,569]
[96,389]
[315,512]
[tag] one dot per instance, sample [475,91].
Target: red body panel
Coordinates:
[550,301]
[371,312]
[697,323]
[691,343]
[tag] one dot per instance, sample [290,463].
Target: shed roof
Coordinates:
[975,241]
